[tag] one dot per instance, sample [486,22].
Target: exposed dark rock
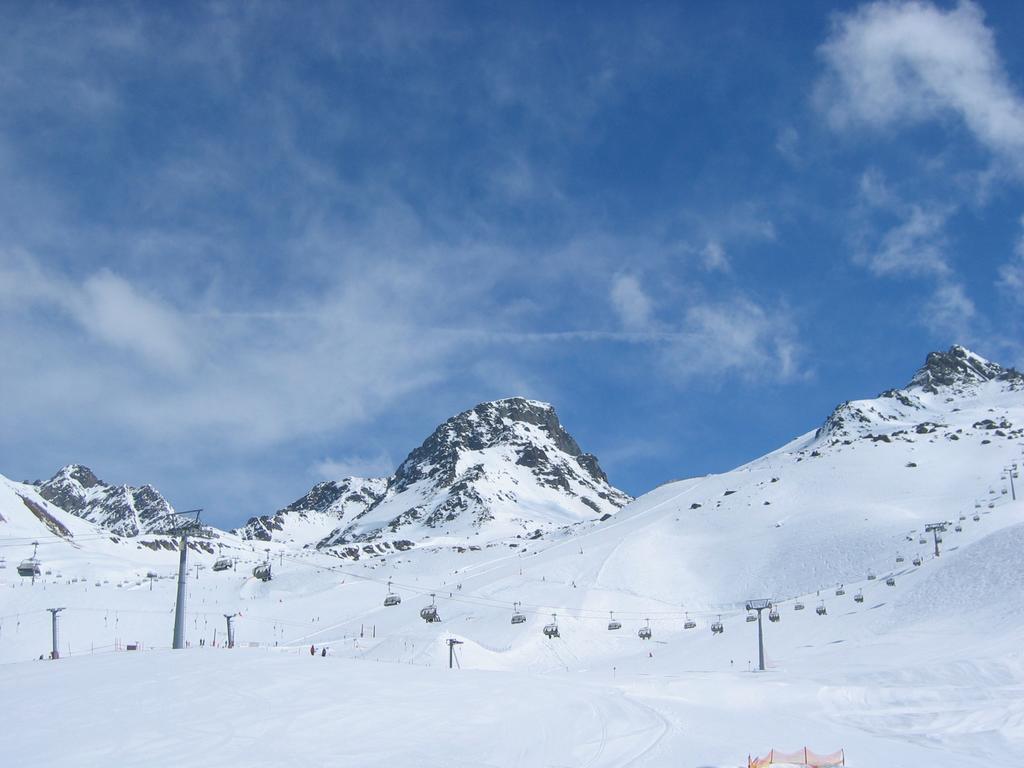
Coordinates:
[960,367]
[122,509]
[441,486]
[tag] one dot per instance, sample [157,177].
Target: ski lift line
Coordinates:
[468,598]
[487,602]
[22,614]
[579,614]
[465,598]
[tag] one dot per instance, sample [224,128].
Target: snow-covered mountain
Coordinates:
[121,509]
[923,670]
[504,468]
[309,519]
[955,395]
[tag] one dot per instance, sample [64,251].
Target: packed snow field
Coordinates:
[895,662]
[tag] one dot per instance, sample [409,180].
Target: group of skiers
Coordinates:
[312,650]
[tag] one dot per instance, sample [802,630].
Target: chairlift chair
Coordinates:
[612,623]
[899,558]
[773,615]
[958,528]
[30,567]
[821,610]
[871,576]
[962,518]
[3,563]
[751,617]
[429,613]
[517,617]
[922,540]
[262,572]
[645,631]
[551,630]
[716,626]
[917,560]
[840,591]
[391,599]
[689,623]
[859,597]
[798,606]
[976,518]
[890,582]
[222,564]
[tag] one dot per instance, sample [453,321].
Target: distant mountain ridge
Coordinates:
[948,385]
[506,467]
[122,509]
[310,518]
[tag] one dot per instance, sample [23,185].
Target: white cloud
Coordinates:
[787,144]
[911,242]
[949,312]
[906,62]
[376,465]
[1011,274]
[630,302]
[113,311]
[737,337]
[108,308]
[915,246]
[714,257]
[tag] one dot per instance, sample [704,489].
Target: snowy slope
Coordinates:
[121,509]
[503,468]
[313,517]
[925,672]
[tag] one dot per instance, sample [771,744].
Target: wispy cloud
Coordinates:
[631,302]
[1011,274]
[714,257]
[737,337]
[893,63]
[379,464]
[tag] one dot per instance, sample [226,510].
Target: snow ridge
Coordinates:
[507,465]
[121,509]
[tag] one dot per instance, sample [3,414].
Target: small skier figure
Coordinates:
[323,652]
[312,650]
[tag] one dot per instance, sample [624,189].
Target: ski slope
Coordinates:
[925,672]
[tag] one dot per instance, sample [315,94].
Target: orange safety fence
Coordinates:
[803,756]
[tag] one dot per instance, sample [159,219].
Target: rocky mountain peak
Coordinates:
[905,415]
[509,463]
[499,422]
[121,509]
[79,474]
[309,518]
[959,367]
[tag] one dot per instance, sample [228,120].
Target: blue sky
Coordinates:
[245,247]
